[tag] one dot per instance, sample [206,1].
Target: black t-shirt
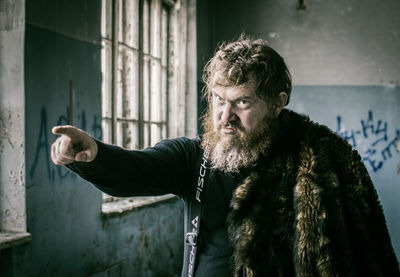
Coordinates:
[170,167]
[215,249]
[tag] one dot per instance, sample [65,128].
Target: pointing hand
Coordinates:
[74,145]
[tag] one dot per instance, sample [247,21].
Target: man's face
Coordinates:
[240,129]
[237,111]
[241,125]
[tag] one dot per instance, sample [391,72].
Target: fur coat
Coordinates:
[309,209]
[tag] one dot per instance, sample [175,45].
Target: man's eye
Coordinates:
[243,103]
[219,99]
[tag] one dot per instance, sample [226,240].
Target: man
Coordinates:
[284,196]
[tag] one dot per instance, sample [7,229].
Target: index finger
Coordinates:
[68,130]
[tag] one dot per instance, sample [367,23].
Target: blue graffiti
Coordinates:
[43,144]
[374,132]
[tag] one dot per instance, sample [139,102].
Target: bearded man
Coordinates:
[282,196]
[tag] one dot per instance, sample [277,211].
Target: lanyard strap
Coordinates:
[194,213]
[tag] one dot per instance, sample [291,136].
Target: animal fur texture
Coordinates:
[309,209]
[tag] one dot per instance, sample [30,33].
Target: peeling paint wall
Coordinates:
[63,212]
[12,114]
[344,58]
[346,42]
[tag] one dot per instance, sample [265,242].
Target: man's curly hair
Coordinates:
[235,62]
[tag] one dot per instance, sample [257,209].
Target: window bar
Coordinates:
[140,77]
[149,21]
[114,78]
[168,11]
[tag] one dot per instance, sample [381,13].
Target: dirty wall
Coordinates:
[69,236]
[343,56]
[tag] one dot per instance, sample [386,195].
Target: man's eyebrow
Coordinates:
[240,97]
[244,97]
[214,93]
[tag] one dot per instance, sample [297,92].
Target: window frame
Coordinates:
[177,89]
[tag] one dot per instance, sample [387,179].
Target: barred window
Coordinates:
[143,90]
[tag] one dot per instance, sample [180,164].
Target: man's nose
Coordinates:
[227,114]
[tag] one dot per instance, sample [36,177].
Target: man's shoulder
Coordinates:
[313,133]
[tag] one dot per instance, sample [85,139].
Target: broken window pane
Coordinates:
[106,89]
[146,88]
[107,130]
[155,91]
[127,134]
[106,19]
[127,92]
[129,23]
[155,32]
[146,27]
[155,134]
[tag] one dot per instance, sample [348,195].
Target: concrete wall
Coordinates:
[343,56]
[12,114]
[69,235]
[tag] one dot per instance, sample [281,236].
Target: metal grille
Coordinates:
[135,47]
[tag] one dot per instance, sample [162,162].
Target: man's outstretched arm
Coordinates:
[165,168]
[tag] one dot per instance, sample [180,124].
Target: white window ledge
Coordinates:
[121,206]
[10,239]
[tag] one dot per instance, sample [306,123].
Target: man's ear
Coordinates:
[281,102]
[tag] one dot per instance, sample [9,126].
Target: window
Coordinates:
[144,89]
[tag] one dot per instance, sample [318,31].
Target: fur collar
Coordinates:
[305,209]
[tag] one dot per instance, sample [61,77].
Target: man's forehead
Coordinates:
[221,79]
[247,89]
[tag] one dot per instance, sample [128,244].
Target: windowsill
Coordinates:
[10,239]
[123,206]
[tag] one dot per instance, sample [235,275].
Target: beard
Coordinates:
[230,153]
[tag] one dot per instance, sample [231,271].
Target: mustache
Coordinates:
[234,124]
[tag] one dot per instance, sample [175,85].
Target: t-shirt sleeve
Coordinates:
[167,167]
